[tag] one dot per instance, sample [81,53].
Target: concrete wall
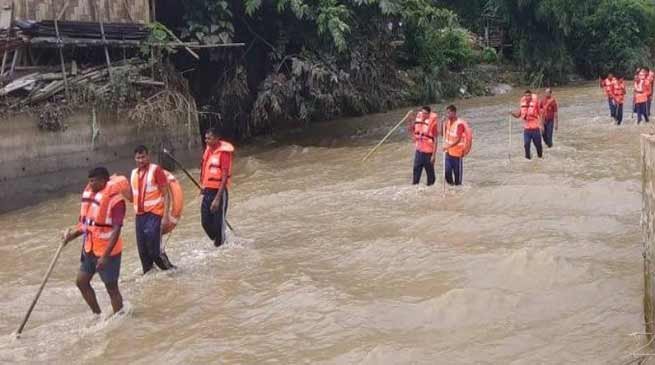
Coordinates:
[648,227]
[35,162]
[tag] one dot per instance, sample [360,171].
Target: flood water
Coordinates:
[337,261]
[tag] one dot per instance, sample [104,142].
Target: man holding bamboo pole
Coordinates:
[100,223]
[215,176]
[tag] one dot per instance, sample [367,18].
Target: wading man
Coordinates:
[152,202]
[618,94]
[425,133]
[548,107]
[100,222]
[457,144]
[215,176]
[532,123]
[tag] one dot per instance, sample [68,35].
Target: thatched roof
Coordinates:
[115,11]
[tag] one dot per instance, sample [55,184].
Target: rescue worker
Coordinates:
[215,176]
[532,123]
[606,85]
[425,133]
[548,107]
[650,78]
[618,94]
[454,129]
[100,222]
[634,102]
[641,87]
[151,198]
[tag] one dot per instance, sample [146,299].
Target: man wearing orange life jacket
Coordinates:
[650,78]
[641,87]
[454,147]
[606,85]
[151,198]
[618,95]
[424,132]
[100,222]
[215,176]
[532,123]
[548,107]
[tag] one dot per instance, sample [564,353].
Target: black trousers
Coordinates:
[214,223]
[148,242]
[422,161]
[534,136]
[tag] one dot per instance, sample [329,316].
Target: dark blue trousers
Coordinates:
[612,107]
[421,162]
[642,112]
[619,114]
[454,170]
[148,242]
[549,126]
[214,223]
[534,136]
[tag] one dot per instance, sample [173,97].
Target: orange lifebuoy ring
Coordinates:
[177,203]
[120,184]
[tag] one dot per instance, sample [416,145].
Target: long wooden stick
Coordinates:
[509,139]
[61,51]
[443,172]
[188,174]
[387,136]
[38,293]
[104,41]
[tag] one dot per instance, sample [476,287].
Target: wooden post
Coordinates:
[4,62]
[61,50]
[648,229]
[104,41]
[13,62]
[153,11]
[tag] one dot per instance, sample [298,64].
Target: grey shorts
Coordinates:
[109,274]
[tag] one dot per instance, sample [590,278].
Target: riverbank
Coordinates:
[36,162]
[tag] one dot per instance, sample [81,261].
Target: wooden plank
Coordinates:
[6,14]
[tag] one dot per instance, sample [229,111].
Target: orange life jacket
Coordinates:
[641,94]
[607,86]
[212,174]
[153,199]
[530,112]
[651,80]
[618,91]
[95,217]
[463,147]
[425,133]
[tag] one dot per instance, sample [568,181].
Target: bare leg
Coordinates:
[84,284]
[115,296]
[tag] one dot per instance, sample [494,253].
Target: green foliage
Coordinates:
[489,55]
[157,39]
[557,37]
[208,21]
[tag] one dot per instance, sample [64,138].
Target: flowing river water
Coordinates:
[342,262]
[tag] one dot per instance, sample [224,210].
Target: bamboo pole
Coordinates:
[104,41]
[43,282]
[387,136]
[509,138]
[61,51]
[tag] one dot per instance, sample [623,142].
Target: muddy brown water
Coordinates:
[342,262]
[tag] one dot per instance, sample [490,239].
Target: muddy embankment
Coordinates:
[37,163]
